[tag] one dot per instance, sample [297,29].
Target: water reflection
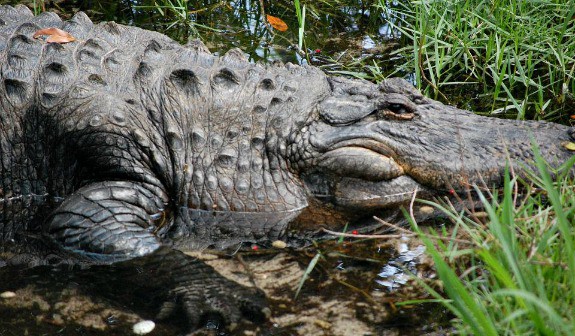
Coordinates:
[333,27]
[397,271]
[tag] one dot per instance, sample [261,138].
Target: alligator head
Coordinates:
[371,147]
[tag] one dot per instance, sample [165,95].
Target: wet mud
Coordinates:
[356,288]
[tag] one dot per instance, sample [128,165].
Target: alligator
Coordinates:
[123,148]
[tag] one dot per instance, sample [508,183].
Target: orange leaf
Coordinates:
[55,35]
[59,39]
[277,23]
[572,116]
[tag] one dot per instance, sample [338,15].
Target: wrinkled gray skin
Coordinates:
[125,146]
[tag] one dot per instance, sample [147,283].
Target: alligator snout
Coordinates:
[376,147]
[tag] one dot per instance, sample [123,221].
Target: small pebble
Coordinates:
[7,295]
[143,327]
[426,210]
[279,244]
[322,324]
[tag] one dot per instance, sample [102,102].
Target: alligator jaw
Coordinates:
[360,162]
[358,193]
[373,156]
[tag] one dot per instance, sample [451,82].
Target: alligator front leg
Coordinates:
[112,223]
[106,222]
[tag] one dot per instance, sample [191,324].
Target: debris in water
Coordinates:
[279,244]
[393,274]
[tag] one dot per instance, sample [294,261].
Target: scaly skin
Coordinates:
[372,146]
[124,148]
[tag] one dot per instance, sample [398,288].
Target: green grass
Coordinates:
[177,15]
[38,7]
[518,54]
[518,274]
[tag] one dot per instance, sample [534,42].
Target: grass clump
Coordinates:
[519,274]
[519,54]
[179,17]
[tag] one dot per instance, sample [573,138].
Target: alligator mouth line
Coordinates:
[373,145]
[361,158]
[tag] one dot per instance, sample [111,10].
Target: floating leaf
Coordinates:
[277,23]
[569,145]
[55,35]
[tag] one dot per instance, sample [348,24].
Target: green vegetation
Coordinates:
[518,274]
[178,17]
[518,54]
[38,7]
[300,13]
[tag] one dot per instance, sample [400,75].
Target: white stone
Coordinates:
[279,244]
[426,210]
[143,327]
[7,295]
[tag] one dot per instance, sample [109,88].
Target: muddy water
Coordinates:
[356,288]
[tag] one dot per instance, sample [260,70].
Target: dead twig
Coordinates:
[341,234]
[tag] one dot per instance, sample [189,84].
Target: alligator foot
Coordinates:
[208,300]
[110,225]
[571,132]
[178,289]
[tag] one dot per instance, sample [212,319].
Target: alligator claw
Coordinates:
[218,304]
[571,132]
[207,299]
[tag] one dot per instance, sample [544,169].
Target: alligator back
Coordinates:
[127,82]
[23,174]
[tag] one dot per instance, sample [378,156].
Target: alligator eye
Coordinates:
[397,108]
[395,111]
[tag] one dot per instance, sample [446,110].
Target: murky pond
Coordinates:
[356,287]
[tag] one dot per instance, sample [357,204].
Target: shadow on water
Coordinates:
[356,286]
